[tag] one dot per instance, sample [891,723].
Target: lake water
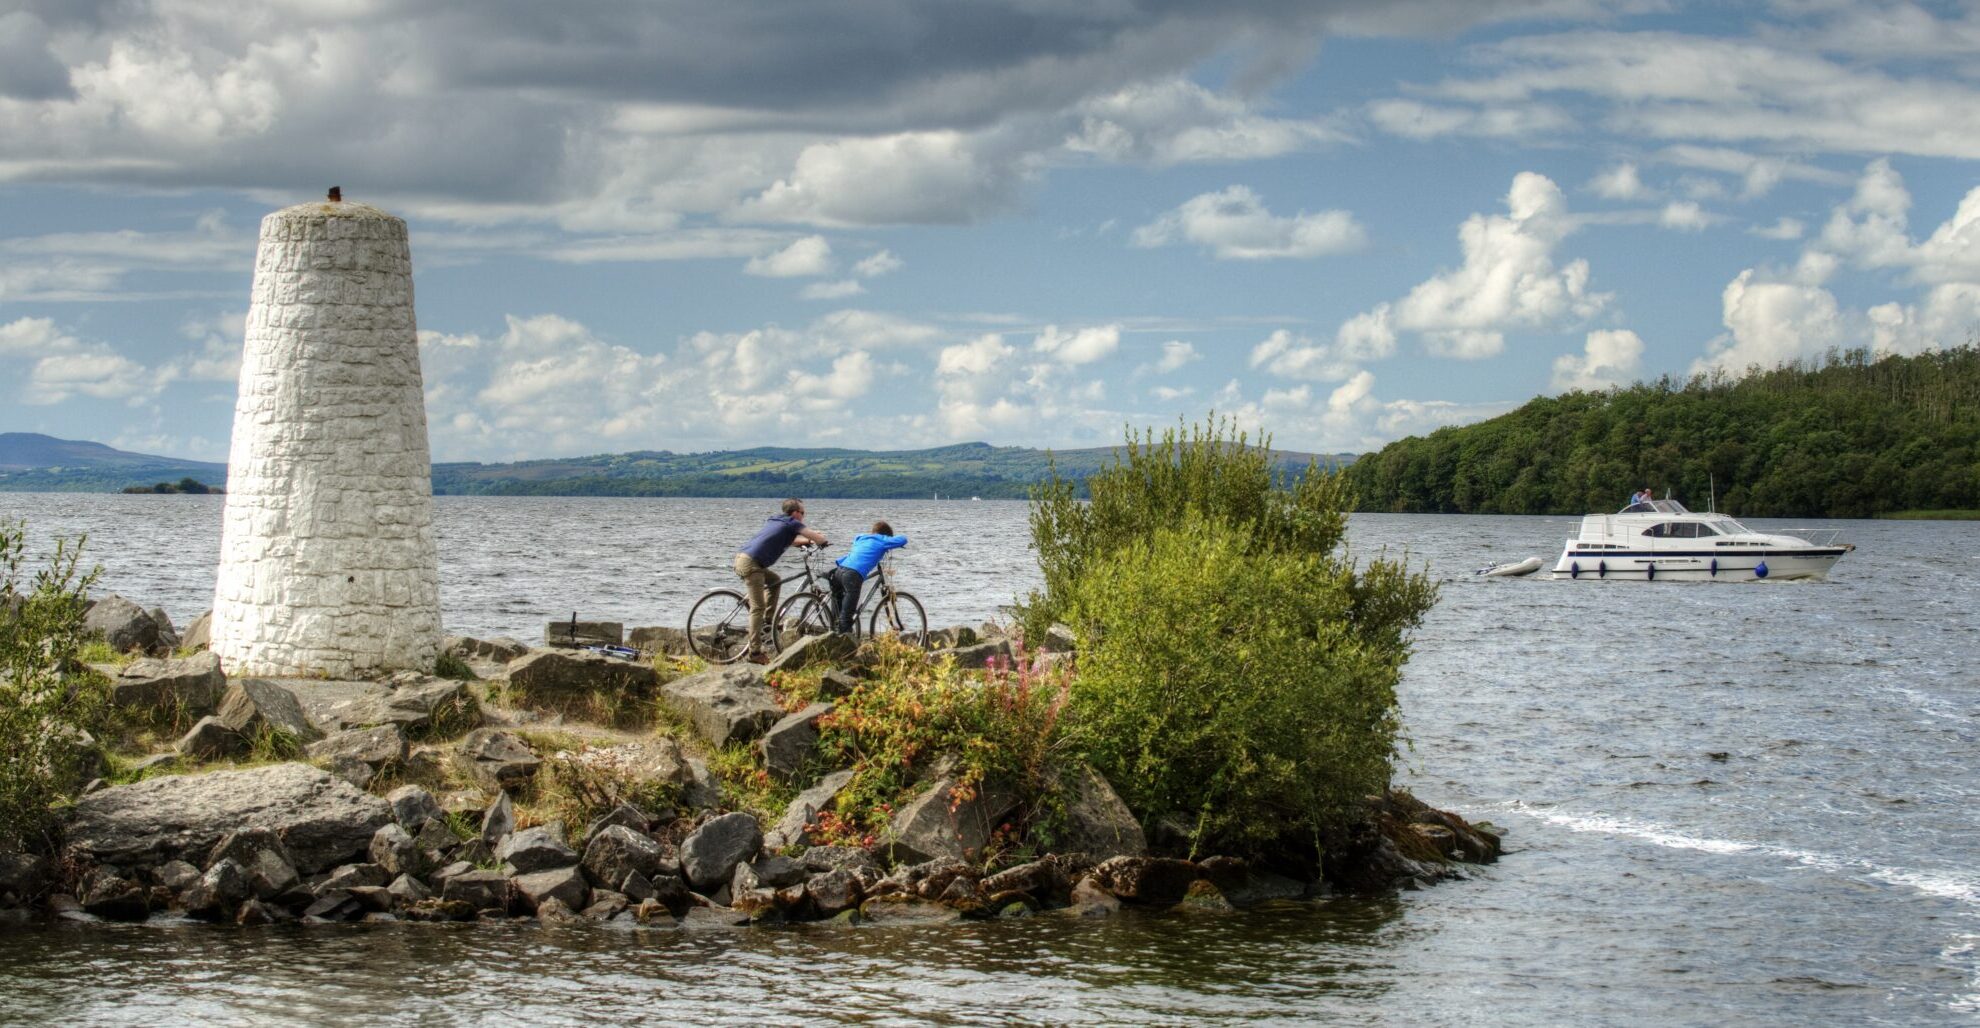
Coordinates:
[1727,804]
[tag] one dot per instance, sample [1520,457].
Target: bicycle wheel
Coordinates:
[801,615]
[718,626]
[900,615]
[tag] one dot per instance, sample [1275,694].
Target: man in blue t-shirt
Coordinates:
[755,565]
[868,549]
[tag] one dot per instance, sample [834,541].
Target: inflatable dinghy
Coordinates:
[1512,570]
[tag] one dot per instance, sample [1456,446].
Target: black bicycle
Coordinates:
[810,610]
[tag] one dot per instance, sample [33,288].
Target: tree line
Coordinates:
[1848,435]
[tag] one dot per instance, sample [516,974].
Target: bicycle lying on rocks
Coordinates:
[718,623]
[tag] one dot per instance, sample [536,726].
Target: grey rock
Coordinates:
[550,675]
[498,821]
[419,704]
[725,705]
[351,770]
[376,747]
[1090,900]
[375,899]
[354,876]
[805,807]
[199,634]
[22,875]
[175,875]
[709,856]
[195,683]
[766,873]
[217,892]
[1147,880]
[584,633]
[565,884]
[605,905]
[840,858]
[437,837]
[125,626]
[168,636]
[788,746]
[407,890]
[536,849]
[500,759]
[254,705]
[321,820]
[413,806]
[702,790]
[260,855]
[1097,822]
[671,891]
[832,892]
[160,762]
[625,815]
[813,649]
[484,890]
[211,739]
[395,850]
[933,825]
[836,684]
[334,905]
[977,655]
[1058,639]
[254,912]
[115,898]
[659,639]
[1040,879]
[899,909]
[617,851]
[636,887]
[500,649]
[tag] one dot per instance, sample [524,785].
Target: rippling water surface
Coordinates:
[1727,804]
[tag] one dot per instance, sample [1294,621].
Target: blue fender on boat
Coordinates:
[1650,572]
[1574,569]
[1601,569]
[1760,570]
[1715,567]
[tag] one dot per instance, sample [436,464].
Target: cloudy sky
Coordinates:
[882,223]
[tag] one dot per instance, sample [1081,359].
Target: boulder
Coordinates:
[1088,899]
[902,909]
[536,849]
[252,706]
[564,884]
[175,875]
[935,825]
[819,859]
[194,684]
[625,815]
[375,747]
[484,890]
[497,821]
[125,626]
[217,892]
[617,851]
[952,637]
[977,655]
[709,856]
[499,759]
[551,675]
[788,746]
[575,633]
[353,876]
[260,855]
[702,790]
[1042,880]
[168,636]
[766,873]
[114,898]
[829,648]
[659,639]
[351,770]
[436,909]
[421,705]
[394,849]
[211,739]
[832,892]
[413,806]
[836,684]
[199,634]
[499,650]
[1147,880]
[725,705]
[805,808]
[320,819]
[1057,639]
[407,890]
[1097,822]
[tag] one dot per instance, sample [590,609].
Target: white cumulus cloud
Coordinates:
[1609,357]
[1233,224]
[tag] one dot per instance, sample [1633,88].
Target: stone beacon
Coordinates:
[327,558]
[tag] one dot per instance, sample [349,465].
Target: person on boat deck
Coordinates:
[868,550]
[755,565]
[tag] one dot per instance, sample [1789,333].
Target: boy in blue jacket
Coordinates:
[868,549]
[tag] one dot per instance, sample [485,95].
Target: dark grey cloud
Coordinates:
[28,71]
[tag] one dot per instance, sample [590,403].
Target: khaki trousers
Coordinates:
[762,585]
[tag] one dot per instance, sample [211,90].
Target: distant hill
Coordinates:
[40,463]
[966,469]
[1850,436]
[30,462]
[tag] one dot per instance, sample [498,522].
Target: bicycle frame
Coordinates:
[822,592]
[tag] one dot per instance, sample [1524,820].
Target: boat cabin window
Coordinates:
[1679,530]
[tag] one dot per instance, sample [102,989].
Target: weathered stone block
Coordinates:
[725,705]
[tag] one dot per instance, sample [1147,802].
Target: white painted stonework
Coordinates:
[327,561]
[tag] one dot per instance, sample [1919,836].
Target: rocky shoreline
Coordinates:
[512,794]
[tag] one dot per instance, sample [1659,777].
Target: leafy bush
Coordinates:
[1236,674]
[51,706]
[1214,469]
[1229,689]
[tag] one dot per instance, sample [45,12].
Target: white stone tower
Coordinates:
[327,562]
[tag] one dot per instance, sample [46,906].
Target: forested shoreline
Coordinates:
[1850,435]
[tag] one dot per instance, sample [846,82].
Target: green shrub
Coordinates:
[51,706]
[447,665]
[1213,469]
[1231,690]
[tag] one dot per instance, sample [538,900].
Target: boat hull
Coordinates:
[1782,565]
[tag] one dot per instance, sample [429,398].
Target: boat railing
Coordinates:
[1812,536]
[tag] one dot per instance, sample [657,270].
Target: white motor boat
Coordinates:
[1660,539]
